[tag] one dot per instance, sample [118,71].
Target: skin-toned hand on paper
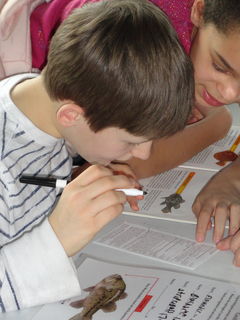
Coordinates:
[118,168]
[220,200]
[232,242]
[86,205]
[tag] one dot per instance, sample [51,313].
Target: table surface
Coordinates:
[219,266]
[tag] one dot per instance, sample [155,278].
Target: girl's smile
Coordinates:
[215,57]
[209,99]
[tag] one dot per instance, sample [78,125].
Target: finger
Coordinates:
[224,244]
[220,217]
[91,174]
[104,201]
[99,221]
[133,202]
[196,207]
[99,179]
[235,242]
[203,221]
[230,243]
[107,215]
[234,220]
[105,184]
[124,169]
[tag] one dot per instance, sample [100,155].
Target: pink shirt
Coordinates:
[47,17]
[179,12]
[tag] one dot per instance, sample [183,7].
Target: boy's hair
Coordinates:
[121,61]
[223,14]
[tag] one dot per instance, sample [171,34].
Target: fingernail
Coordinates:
[200,238]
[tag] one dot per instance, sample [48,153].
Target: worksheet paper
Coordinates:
[181,183]
[158,245]
[153,294]
[170,194]
[205,160]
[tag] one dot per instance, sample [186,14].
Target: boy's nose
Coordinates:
[142,151]
[230,91]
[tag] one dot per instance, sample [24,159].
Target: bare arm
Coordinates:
[219,201]
[168,153]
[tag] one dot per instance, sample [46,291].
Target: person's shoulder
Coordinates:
[14,79]
[22,75]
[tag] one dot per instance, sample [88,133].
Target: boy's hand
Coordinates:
[123,168]
[118,168]
[219,200]
[86,205]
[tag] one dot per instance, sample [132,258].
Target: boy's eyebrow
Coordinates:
[227,65]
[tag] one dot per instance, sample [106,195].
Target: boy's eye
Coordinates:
[134,144]
[216,67]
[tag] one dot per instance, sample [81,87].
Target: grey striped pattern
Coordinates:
[24,149]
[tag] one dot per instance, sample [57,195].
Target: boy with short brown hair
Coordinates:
[115,79]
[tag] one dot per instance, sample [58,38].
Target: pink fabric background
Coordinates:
[47,17]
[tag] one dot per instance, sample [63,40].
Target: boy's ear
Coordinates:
[197,12]
[69,114]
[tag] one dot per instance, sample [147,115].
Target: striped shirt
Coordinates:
[34,268]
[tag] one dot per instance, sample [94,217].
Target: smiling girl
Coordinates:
[209,33]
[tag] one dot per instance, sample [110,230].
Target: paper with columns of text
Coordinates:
[217,155]
[158,245]
[152,294]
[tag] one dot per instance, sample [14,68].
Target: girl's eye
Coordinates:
[216,67]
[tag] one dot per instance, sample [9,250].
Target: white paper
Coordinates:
[168,183]
[184,183]
[158,245]
[205,159]
[154,294]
